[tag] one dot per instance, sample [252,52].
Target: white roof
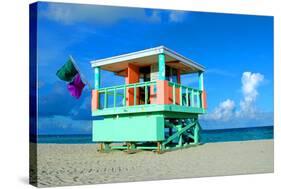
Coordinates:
[146,57]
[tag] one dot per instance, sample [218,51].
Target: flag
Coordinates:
[70,72]
[76,86]
[67,71]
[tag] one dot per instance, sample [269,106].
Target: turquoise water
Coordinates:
[207,136]
[242,134]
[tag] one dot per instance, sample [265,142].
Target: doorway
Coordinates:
[144,77]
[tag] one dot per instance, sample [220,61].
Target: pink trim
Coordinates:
[132,77]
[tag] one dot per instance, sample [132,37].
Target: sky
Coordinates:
[237,51]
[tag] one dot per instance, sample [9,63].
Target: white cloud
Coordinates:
[76,13]
[177,16]
[73,13]
[250,83]
[223,112]
[261,119]
[226,110]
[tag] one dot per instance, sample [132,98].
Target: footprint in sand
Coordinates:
[75,179]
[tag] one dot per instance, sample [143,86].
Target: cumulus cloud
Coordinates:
[250,83]
[227,110]
[224,111]
[261,119]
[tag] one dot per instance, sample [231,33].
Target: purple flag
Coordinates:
[76,86]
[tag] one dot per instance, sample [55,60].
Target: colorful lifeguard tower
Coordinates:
[152,110]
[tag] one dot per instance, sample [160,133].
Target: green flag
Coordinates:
[67,71]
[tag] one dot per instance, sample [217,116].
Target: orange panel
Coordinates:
[162,92]
[178,96]
[177,89]
[204,99]
[132,77]
[153,95]
[95,100]
[170,95]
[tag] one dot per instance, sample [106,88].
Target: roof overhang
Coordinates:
[147,57]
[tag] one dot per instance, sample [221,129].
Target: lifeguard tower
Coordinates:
[152,110]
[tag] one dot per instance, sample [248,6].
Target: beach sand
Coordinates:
[76,164]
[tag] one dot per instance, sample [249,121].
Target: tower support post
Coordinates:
[161,66]
[97,77]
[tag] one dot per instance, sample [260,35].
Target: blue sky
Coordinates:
[237,51]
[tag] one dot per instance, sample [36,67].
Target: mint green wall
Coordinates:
[135,128]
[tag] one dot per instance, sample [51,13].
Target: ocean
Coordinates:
[207,136]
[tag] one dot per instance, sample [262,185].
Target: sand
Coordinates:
[76,164]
